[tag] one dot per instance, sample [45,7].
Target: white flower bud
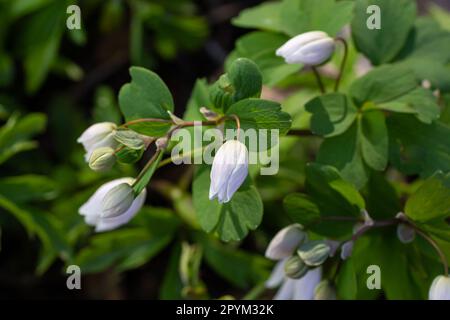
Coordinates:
[117,201]
[285,242]
[229,170]
[208,114]
[325,291]
[314,253]
[102,159]
[96,136]
[346,250]
[405,233]
[92,210]
[310,48]
[440,288]
[295,268]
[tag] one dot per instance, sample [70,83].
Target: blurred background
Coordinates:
[54,83]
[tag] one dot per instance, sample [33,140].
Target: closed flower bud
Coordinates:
[102,159]
[285,242]
[117,200]
[346,250]
[229,170]
[93,213]
[96,136]
[314,253]
[440,288]
[310,48]
[325,291]
[405,233]
[295,268]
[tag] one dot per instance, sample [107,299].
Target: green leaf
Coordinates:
[260,114]
[232,220]
[260,47]
[332,114]
[344,153]
[171,285]
[146,97]
[440,15]
[330,16]
[41,42]
[420,102]
[383,84]
[382,199]
[382,45]
[431,201]
[374,139]
[264,16]
[28,188]
[240,268]
[129,248]
[199,98]
[243,80]
[346,281]
[301,208]
[418,148]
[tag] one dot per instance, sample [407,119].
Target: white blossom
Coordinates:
[96,136]
[293,289]
[440,288]
[310,48]
[94,209]
[285,242]
[229,170]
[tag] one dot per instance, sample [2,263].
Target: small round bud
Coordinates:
[314,253]
[405,233]
[295,268]
[102,159]
[117,201]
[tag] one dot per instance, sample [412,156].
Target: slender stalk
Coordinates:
[178,157]
[344,61]
[255,292]
[376,224]
[129,123]
[146,167]
[319,80]
[433,243]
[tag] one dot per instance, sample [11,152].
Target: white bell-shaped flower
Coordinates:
[229,170]
[94,209]
[96,136]
[440,288]
[285,242]
[311,48]
[293,289]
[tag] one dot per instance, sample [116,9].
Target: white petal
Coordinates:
[285,242]
[95,133]
[298,41]
[313,53]
[277,275]
[440,288]
[286,292]
[93,207]
[106,141]
[105,224]
[304,287]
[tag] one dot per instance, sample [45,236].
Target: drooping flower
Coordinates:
[111,213]
[440,288]
[229,170]
[285,242]
[293,289]
[311,48]
[96,136]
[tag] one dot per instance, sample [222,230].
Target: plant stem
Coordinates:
[344,61]
[146,167]
[255,292]
[319,80]
[433,243]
